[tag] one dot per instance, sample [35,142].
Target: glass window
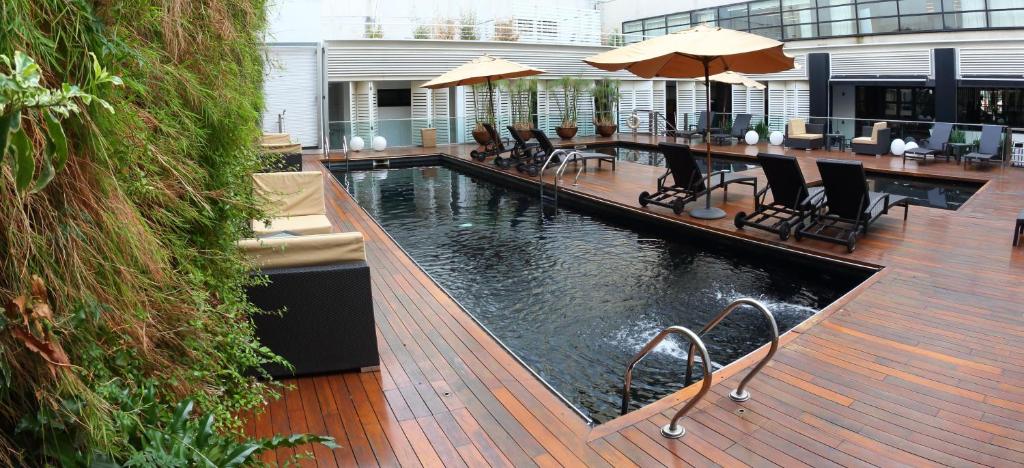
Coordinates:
[799,31]
[1003,106]
[763,21]
[771,33]
[704,17]
[1000,4]
[654,32]
[916,7]
[739,24]
[732,11]
[796,17]
[632,26]
[652,23]
[878,25]
[871,10]
[921,22]
[1005,19]
[764,6]
[796,4]
[837,28]
[966,20]
[824,3]
[963,5]
[844,12]
[679,19]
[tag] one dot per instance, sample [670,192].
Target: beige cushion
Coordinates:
[299,225]
[864,140]
[320,249]
[873,139]
[806,136]
[797,127]
[291,193]
[279,143]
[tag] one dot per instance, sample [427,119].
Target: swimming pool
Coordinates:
[655,158]
[575,295]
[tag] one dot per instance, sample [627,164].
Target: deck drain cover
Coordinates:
[741,411]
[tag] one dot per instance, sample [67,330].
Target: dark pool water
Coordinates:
[575,296]
[655,158]
[944,194]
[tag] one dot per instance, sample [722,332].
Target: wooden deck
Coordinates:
[920,365]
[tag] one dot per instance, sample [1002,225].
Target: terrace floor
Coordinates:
[918,366]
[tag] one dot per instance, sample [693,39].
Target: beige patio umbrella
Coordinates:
[482,69]
[700,51]
[734,78]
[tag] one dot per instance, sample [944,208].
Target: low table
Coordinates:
[958,150]
[836,139]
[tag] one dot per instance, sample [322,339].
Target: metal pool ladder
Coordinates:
[673,429]
[573,156]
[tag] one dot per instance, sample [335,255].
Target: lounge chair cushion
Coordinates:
[873,139]
[298,225]
[797,127]
[291,193]
[805,136]
[303,251]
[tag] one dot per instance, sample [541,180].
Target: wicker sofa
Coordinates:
[288,154]
[877,142]
[295,202]
[803,135]
[322,282]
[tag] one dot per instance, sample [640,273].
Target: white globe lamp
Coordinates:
[897,147]
[751,137]
[775,138]
[909,146]
[379,143]
[356,144]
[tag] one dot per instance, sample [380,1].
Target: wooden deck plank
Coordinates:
[920,367]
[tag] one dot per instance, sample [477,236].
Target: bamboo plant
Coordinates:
[521,93]
[606,97]
[568,106]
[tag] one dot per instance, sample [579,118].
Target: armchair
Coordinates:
[876,144]
[295,202]
[804,135]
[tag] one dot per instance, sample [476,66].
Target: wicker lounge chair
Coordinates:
[494,147]
[877,143]
[803,135]
[547,148]
[295,202]
[739,130]
[988,147]
[792,200]
[850,206]
[688,183]
[933,145]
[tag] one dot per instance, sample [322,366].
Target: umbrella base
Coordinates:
[713,212]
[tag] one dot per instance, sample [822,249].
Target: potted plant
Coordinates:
[482,112]
[568,106]
[521,93]
[606,98]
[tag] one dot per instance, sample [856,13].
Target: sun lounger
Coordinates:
[688,183]
[850,206]
[494,147]
[933,146]
[988,147]
[739,130]
[792,200]
[701,126]
[547,148]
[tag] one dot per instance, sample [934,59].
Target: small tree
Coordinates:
[482,111]
[505,30]
[606,96]
[568,106]
[372,28]
[445,29]
[614,39]
[521,94]
[468,31]
[422,31]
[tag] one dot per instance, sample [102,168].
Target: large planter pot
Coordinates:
[566,133]
[481,136]
[524,134]
[606,130]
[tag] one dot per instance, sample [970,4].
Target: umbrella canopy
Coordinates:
[684,54]
[736,79]
[481,70]
[700,51]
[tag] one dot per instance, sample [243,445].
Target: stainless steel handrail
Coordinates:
[544,167]
[740,394]
[673,429]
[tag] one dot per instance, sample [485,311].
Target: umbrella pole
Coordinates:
[708,212]
[490,101]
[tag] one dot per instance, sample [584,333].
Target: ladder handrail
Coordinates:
[672,429]
[740,394]
[544,167]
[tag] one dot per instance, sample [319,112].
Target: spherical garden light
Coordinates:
[775,138]
[751,137]
[356,144]
[379,143]
[909,146]
[897,147]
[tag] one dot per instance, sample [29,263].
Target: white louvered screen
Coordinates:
[797,73]
[363,109]
[889,63]
[549,98]
[290,86]
[685,103]
[739,100]
[659,106]
[421,112]
[787,100]
[470,103]
[440,115]
[991,62]
[755,103]
[585,114]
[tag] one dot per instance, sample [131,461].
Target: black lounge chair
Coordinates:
[933,145]
[850,206]
[688,183]
[792,200]
[988,147]
[547,148]
[701,126]
[494,147]
[739,130]
[523,149]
